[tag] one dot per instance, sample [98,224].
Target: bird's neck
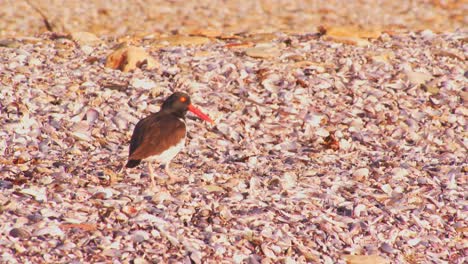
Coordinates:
[177,114]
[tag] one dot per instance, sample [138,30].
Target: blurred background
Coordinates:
[142,17]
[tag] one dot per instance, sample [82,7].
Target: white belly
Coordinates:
[168,154]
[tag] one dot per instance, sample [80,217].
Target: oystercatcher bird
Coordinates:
[160,136]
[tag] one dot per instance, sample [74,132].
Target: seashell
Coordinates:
[387,248]
[129,58]
[85,38]
[345,145]
[20,233]
[196,257]
[414,241]
[361,173]
[103,193]
[387,189]
[359,209]
[120,121]
[267,251]
[417,77]
[51,230]
[289,180]
[145,84]
[314,120]
[145,217]
[213,188]
[400,173]
[92,115]
[140,260]
[38,193]
[322,132]
[427,34]
[140,236]
[262,52]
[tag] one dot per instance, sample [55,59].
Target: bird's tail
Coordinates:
[132,163]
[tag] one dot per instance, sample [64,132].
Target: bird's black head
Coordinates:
[178,103]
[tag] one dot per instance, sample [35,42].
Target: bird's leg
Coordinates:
[172,178]
[168,171]
[151,171]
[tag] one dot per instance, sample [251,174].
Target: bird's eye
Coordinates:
[183,99]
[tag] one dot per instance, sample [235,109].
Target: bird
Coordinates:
[161,136]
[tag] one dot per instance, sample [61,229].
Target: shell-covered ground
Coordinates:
[328,146]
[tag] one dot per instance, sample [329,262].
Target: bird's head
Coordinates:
[179,103]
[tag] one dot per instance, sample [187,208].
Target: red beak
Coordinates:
[199,113]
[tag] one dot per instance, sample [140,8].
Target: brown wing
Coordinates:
[154,134]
